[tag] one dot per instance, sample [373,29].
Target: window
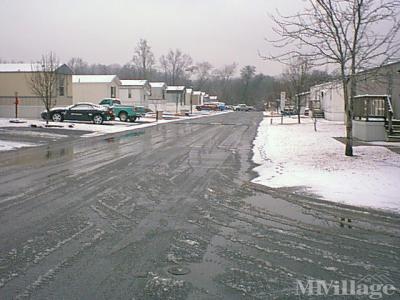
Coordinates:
[113,92]
[129,93]
[61,86]
[82,107]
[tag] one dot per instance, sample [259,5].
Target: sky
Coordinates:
[103,31]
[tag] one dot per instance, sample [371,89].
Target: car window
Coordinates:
[82,107]
[116,102]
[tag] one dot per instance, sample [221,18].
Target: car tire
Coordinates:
[133,119]
[57,117]
[98,119]
[123,116]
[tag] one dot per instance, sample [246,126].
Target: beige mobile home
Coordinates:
[93,88]
[197,98]
[15,78]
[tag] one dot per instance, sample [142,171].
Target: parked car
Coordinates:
[221,105]
[80,112]
[207,106]
[125,113]
[289,111]
[243,107]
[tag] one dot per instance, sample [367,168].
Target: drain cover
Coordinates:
[178,270]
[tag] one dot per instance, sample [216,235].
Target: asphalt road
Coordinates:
[168,213]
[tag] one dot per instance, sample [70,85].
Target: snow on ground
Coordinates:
[95,130]
[295,156]
[107,127]
[11,145]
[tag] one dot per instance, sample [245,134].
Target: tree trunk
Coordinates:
[47,116]
[298,109]
[349,116]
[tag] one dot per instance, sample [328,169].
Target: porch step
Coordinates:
[395,126]
[393,138]
[396,122]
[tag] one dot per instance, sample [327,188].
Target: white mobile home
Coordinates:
[135,92]
[329,95]
[175,96]
[93,88]
[157,98]
[188,97]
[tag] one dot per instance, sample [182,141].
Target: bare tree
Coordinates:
[246,73]
[78,65]
[224,76]
[175,65]
[202,71]
[351,34]
[143,59]
[297,74]
[43,81]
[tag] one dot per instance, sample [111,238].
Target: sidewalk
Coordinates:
[295,157]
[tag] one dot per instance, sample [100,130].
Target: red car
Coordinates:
[207,107]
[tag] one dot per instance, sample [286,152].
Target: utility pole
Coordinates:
[16,105]
[176,103]
[191,102]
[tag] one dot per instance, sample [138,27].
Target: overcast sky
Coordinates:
[107,31]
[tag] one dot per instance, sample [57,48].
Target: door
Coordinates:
[79,112]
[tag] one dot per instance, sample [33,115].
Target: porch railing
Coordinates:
[373,107]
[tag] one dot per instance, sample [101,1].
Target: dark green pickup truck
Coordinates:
[125,113]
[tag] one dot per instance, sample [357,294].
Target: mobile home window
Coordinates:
[129,93]
[113,92]
[61,87]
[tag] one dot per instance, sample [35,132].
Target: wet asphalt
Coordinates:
[168,212]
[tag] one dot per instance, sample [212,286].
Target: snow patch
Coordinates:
[295,156]
[12,145]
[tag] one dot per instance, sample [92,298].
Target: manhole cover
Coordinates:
[178,270]
[141,275]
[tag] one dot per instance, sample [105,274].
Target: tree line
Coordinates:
[231,84]
[178,68]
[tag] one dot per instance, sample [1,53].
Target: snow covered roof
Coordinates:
[189,91]
[213,97]
[197,93]
[134,82]
[175,88]
[16,67]
[158,84]
[93,78]
[12,68]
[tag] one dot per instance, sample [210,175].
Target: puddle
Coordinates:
[36,156]
[288,209]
